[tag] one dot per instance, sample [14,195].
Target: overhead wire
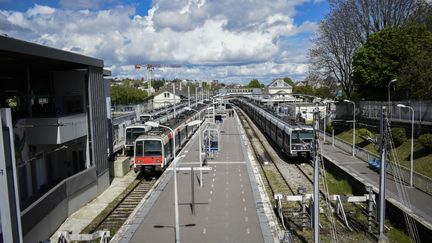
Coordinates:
[401,189]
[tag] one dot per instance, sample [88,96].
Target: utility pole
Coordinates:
[174,97]
[383,154]
[316,209]
[189,96]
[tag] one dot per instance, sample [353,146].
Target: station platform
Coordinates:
[228,208]
[421,203]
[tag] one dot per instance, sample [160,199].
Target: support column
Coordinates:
[9,201]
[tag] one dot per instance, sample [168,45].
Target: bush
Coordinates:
[426,141]
[399,136]
[365,132]
[329,127]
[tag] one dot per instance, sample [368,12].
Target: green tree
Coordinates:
[289,81]
[254,83]
[402,53]
[304,89]
[122,94]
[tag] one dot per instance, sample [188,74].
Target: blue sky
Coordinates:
[229,40]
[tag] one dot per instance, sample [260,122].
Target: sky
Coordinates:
[232,41]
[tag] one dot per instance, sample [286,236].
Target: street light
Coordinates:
[353,145]
[199,143]
[388,88]
[412,142]
[155,124]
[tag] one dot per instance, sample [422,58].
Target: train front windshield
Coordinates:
[145,118]
[152,148]
[134,133]
[301,136]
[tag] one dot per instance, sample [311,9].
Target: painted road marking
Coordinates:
[207,217]
[242,192]
[209,199]
[226,162]
[213,179]
[204,231]
[241,185]
[243,200]
[211,192]
[246,219]
[248,230]
[212,185]
[244,209]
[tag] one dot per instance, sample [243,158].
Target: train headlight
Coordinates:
[158,161]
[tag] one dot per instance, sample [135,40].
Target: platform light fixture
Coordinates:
[411,183]
[354,121]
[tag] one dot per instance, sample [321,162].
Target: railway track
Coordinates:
[293,176]
[114,216]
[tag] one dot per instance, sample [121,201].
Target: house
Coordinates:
[56,105]
[280,87]
[165,96]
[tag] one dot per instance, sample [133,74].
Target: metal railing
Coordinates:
[420,181]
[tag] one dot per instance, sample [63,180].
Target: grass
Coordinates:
[422,158]
[338,185]
[396,235]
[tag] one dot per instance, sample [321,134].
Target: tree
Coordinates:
[405,53]
[334,46]
[122,94]
[254,83]
[348,26]
[304,89]
[289,81]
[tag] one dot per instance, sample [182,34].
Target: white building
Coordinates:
[279,86]
[165,97]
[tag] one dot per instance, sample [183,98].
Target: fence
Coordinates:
[420,181]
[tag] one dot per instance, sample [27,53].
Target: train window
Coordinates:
[299,136]
[133,133]
[139,148]
[152,148]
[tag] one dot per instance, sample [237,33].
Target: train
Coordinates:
[153,150]
[133,131]
[295,140]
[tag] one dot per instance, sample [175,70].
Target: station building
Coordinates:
[59,109]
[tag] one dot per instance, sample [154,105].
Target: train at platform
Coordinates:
[153,150]
[295,140]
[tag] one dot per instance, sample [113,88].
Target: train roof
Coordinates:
[149,136]
[137,125]
[279,122]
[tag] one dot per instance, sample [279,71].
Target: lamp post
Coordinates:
[199,143]
[353,135]
[177,230]
[412,142]
[388,88]
[155,124]
[188,95]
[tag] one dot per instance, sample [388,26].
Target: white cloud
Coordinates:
[80,4]
[40,10]
[225,39]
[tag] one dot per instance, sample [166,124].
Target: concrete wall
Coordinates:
[56,130]
[42,219]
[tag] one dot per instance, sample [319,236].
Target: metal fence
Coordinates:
[420,181]
[372,110]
